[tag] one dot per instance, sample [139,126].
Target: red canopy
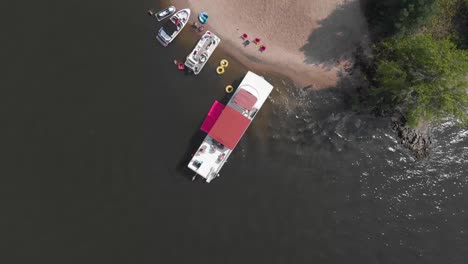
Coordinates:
[229,127]
[213,115]
[257,40]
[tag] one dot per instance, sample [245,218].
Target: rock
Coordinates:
[417,140]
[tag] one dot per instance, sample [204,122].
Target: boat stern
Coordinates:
[161,39]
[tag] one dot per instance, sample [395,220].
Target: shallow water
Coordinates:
[99,154]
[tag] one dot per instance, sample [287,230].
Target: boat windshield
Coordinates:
[164,35]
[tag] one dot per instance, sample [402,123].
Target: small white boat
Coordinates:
[169,31]
[197,59]
[165,13]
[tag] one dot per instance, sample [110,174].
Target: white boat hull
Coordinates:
[163,14]
[171,29]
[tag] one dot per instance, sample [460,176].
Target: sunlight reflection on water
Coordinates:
[312,122]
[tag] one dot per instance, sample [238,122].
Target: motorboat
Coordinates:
[197,59]
[165,13]
[169,31]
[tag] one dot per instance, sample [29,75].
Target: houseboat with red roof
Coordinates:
[225,125]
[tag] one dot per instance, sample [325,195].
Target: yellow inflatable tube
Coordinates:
[220,70]
[229,89]
[224,63]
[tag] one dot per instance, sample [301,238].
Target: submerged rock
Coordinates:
[417,140]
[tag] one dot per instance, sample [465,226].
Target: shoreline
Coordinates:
[280,58]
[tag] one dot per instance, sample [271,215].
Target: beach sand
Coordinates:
[308,41]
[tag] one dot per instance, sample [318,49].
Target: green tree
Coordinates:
[399,17]
[426,79]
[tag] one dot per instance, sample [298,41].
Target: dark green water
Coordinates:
[98,125]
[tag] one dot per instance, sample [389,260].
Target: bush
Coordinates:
[423,77]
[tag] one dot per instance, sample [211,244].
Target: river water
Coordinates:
[99,154]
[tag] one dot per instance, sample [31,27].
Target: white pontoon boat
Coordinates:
[197,59]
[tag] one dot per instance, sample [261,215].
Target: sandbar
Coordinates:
[309,41]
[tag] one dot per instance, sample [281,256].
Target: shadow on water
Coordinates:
[192,146]
[305,122]
[336,36]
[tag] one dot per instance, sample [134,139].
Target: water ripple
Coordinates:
[312,125]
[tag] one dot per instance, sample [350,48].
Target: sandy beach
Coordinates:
[309,41]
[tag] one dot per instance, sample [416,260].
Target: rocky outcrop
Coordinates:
[417,140]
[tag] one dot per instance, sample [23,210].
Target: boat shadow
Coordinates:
[195,141]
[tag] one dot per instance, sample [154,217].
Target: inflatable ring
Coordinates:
[229,89]
[224,63]
[220,70]
[203,17]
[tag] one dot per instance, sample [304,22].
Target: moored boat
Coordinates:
[225,125]
[197,59]
[169,31]
[165,13]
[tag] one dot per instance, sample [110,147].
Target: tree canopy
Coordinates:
[399,17]
[423,77]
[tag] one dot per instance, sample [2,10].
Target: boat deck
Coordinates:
[209,158]
[169,31]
